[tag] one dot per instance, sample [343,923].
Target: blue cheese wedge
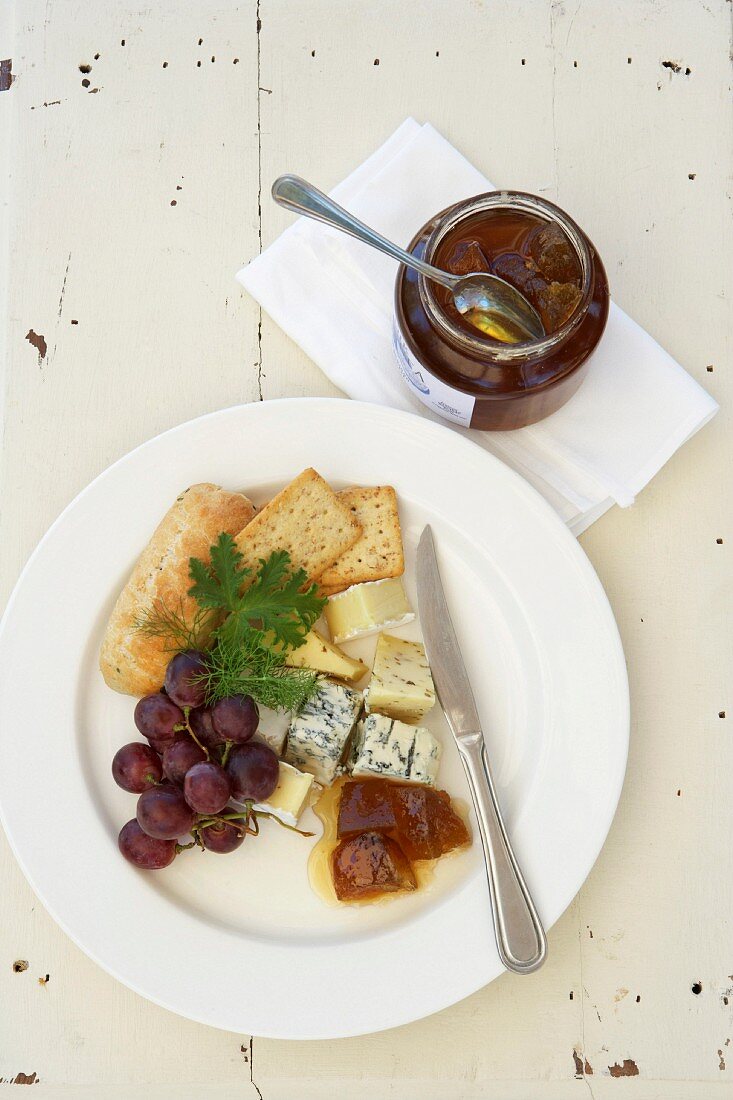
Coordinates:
[385,746]
[367,608]
[290,797]
[401,685]
[317,737]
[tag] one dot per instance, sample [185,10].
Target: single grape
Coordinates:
[160,744]
[207,788]
[156,717]
[136,767]
[183,678]
[224,836]
[253,770]
[143,850]
[203,726]
[163,813]
[235,718]
[179,757]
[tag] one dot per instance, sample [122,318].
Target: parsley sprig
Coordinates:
[264,617]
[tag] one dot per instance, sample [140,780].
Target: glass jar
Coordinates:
[468,377]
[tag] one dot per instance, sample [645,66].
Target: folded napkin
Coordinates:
[333,296]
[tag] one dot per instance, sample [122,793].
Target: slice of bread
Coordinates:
[133,662]
[378,553]
[308,520]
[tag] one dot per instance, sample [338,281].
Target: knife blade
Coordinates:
[520,937]
[441,644]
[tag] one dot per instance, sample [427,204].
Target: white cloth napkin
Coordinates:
[333,296]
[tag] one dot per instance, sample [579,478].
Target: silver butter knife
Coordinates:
[520,936]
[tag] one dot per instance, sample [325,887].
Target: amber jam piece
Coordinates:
[365,804]
[426,825]
[534,255]
[370,864]
[417,821]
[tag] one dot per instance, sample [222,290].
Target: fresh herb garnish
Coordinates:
[171,625]
[265,616]
[276,600]
[245,665]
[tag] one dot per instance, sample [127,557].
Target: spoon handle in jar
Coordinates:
[301,197]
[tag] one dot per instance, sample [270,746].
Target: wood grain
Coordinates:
[130,204]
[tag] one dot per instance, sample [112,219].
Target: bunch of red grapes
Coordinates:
[196,760]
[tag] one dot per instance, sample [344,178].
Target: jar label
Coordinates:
[443,399]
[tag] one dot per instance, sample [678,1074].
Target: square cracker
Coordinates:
[378,553]
[308,520]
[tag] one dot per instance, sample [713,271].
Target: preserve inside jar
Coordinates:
[457,364]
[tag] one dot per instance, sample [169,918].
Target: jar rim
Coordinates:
[482,346]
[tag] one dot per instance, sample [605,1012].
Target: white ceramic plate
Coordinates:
[240,941]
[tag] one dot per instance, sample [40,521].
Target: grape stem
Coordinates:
[292,828]
[186,713]
[228,746]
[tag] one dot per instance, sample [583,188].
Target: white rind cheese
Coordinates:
[368,608]
[401,685]
[317,737]
[384,746]
[291,796]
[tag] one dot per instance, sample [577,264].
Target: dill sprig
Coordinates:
[161,621]
[250,667]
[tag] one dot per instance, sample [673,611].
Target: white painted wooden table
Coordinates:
[138,144]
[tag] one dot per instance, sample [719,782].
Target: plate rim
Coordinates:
[533,497]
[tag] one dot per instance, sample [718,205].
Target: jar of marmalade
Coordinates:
[453,363]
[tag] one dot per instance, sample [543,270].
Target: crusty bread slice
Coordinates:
[308,520]
[135,663]
[378,553]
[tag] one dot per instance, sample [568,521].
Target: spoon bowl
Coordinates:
[490,304]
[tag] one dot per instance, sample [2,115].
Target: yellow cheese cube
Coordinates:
[401,685]
[323,656]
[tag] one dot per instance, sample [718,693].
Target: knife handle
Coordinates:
[520,936]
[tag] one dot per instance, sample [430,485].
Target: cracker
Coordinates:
[378,553]
[308,520]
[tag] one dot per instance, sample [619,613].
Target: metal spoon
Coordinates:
[489,303]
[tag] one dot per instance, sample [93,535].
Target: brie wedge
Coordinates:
[368,608]
[290,797]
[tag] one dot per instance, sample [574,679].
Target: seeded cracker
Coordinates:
[378,553]
[308,520]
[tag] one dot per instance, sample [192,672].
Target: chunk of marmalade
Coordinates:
[466,258]
[419,818]
[365,804]
[369,864]
[426,825]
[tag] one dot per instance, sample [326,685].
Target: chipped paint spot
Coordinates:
[24,1079]
[44,981]
[6,74]
[620,994]
[582,1065]
[628,1068]
[721,1063]
[39,343]
[20,965]
[696,988]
